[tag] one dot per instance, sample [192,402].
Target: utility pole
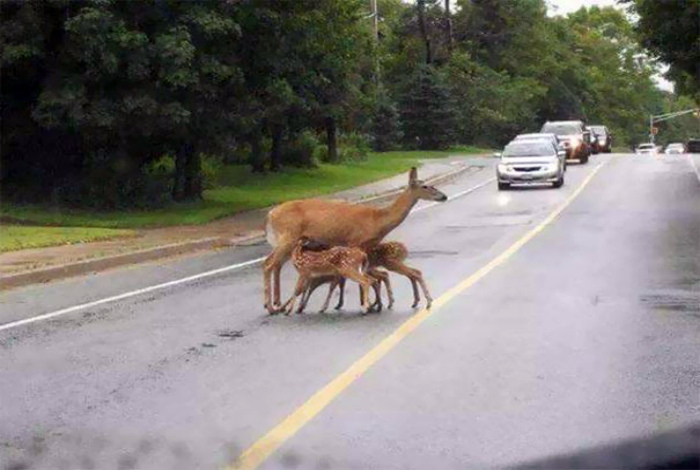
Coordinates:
[375,27]
[448,15]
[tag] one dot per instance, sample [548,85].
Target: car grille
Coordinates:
[527,168]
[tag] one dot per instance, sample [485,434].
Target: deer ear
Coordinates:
[413,176]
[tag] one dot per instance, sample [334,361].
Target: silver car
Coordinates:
[531,161]
[675,148]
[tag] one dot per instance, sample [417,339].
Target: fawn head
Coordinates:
[420,190]
[310,244]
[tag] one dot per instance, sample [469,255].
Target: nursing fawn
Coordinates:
[335,262]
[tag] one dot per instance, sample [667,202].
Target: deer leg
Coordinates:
[377,287]
[415,277]
[365,283]
[383,276]
[272,267]
[416,293]
[426,293]
[302,284]
[331,288]
[341,299]
[313,285]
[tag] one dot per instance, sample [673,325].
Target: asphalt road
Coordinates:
[584,333]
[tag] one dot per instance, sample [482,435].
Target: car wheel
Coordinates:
[560,182]
[583,160]
[503,186]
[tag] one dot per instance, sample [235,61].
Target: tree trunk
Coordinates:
[448,16]
[276,150]
[178,193]
[331,140]
[193,175]
[257,161]
[188,174]
[424,31]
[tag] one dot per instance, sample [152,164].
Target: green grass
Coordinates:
[240,190]
[18,237]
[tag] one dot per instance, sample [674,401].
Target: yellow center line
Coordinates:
[265,446]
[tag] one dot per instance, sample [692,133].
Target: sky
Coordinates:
[563,7]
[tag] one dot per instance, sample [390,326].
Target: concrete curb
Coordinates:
[52,273]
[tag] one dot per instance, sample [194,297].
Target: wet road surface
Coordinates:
[588,334]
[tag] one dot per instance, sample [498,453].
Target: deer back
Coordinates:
[331,222]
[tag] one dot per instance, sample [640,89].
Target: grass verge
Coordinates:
[20,237]
[240,190]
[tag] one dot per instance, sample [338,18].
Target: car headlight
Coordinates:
[575,141]
[502,168]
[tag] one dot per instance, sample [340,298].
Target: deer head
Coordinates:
[420,190]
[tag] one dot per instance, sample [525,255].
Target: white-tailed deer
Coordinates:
[338,261]
[335,223]
[390,255]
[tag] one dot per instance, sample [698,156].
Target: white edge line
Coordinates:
[145,290]
[125,295]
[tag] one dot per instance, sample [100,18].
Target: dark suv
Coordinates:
[693,145]
[603,140]
[575,137]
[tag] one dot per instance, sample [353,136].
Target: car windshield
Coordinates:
[561,129]
[528,149]
[599,130]
[646,146]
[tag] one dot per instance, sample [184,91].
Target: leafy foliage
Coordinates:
[96,92]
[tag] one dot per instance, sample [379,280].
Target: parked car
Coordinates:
[674,148]
[574,135]
[604,138]
[693,146]
[530,161]
[646,149]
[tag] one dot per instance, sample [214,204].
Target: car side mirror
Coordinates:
[561,153]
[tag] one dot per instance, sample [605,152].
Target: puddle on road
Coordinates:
[431,253]
[682,302]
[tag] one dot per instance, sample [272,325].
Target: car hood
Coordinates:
[543,160]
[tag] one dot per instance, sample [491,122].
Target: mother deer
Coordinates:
[334,223]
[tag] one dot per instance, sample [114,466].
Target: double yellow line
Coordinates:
[270,442]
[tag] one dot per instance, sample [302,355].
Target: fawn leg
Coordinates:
[313,284]
[331,288]
[365,283]
[341,299]
[298,290]
[413,275]
[383,276]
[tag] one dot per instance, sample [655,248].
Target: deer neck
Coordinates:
[391,216]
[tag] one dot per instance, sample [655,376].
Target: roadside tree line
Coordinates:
[121,104]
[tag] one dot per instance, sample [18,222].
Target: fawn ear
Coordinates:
[413,176]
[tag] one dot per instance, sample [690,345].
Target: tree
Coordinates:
[671,30]
[427,111]
[386,127]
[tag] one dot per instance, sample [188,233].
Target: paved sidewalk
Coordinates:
[43,264]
